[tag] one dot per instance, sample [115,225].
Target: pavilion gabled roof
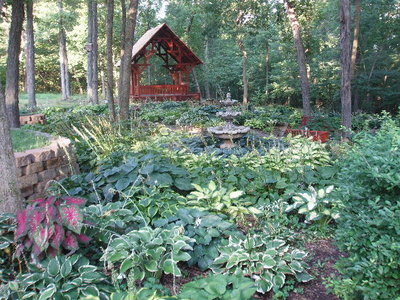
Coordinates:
[164,32]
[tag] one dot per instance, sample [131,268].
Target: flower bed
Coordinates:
[322,136]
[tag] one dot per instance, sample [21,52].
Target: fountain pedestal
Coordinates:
[228,132]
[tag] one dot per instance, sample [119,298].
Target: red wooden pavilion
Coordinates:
[178,59]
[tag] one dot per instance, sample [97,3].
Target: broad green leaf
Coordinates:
[48,292]
[53,268]
[171,267]
[66,268]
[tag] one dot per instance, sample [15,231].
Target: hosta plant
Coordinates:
[148,253]
[7,228]
[220,200]
[60,278]
[49,225]
[315,205]
[266,261]
[220,287]
[206,229]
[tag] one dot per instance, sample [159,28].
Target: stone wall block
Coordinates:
[28,180]
[47,175]
[43,154]
[35,167]
[52,163]
[27,191]
[23,159]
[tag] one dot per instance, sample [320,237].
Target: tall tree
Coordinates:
[125,68]
[110,64]
[345,56]
[301,56]
[10,193]
[355,49]
[30,56]
[92,48]
[63,54]
[12,73]
[95,49]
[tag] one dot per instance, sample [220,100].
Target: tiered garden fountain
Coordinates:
[228,132]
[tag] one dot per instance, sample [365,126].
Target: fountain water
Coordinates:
[228,132]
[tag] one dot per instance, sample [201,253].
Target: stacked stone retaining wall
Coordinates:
[37,167]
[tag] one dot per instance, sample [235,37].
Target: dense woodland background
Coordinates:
[215,33]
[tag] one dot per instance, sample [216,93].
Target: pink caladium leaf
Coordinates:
[22,223]
[83,238]
[57,237]
[71,217]
[39,200]
[51,213]
[75,200]
[36,250]
[35,220]
[19,250]
[70,242]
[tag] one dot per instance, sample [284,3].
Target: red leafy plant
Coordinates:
[49,225]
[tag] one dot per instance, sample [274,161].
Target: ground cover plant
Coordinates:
[158,212]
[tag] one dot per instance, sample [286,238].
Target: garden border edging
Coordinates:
[37,167]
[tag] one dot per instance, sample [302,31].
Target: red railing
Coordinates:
[322,136]
[149,90]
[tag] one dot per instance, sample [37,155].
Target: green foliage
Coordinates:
[7,228]
[147,252]
[125,174]
[315,205]
[207,230]
[221,286]
[60,277]
[369,224]
[220,200]
[267,261]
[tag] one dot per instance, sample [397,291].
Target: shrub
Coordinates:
[49,225]
[60,277]
[207,230]
[147,253]
[369,226]
[267,261]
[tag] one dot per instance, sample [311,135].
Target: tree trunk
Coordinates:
[12,73]
[63,54]
[267,63]
[10,193]
[89,48]
[345,46]
[355,54]
[356,40]
[95,49]
[1,6]
[123,25]
[206,68]
[126,60]
[244,75]
[30,56]
[301,56]
[196,81]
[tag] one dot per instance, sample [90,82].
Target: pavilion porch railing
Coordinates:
[148,90]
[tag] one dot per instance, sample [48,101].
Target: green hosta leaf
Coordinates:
[217,287]
[295,265]
[53,268]
[212,186]
[118,256]
[147,170]
[30,295]
[171,267]
[127,264]
[275,244]
[48,292]
[183,184]
[89,277]
[66,268]
[304,277]
[123,183]
[278,280]
[297,254]
[90,291]
[160,179]
[151,266]
[268,261]
[138,274]
[182,256]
